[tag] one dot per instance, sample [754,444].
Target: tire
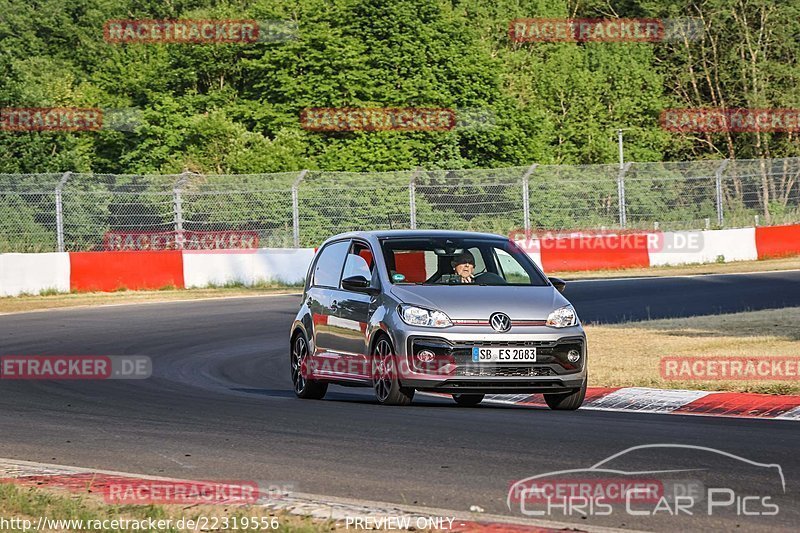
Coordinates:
[304,388]
[566,401]
[384,376]
[468,400]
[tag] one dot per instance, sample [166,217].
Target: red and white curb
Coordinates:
[310,505]
[667,401]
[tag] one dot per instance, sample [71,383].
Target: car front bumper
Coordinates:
[453,371]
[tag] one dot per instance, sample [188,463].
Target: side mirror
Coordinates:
[558,283]
[358,284]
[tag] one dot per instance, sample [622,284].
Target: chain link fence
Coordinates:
[73,212]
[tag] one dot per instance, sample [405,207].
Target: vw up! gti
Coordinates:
[461,313]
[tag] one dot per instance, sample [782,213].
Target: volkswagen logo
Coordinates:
[500,322]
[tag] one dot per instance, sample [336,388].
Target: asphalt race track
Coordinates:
[220,406]
[619,300]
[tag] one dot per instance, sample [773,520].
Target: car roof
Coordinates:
[412,233]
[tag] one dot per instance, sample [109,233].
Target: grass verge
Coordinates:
[30,503]
[629,354]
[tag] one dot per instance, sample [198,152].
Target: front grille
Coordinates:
[504,371]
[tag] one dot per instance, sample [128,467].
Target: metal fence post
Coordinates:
[412,198]
[526,199]
[177,208]
[60,211]
[296,209]
[718,178]
[623,216]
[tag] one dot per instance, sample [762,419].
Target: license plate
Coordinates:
[503,355]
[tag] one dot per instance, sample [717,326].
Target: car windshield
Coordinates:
[459,261]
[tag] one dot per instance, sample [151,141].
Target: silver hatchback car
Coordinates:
[459,313]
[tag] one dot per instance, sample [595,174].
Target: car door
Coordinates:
[353,311]
[322,302]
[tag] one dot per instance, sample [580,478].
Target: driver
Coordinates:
[464,267]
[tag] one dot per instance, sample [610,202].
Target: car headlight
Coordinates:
[563,317]
[417,316]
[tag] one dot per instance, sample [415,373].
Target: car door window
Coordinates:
[359,262]
[511,270]
[328,269]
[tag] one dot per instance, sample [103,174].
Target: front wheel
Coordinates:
[566,401]
[468,400]
[384,376]
[304,388]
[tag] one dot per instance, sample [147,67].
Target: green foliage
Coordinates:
[21,230]
[234,108]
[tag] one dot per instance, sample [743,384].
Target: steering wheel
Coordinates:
[434,278]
